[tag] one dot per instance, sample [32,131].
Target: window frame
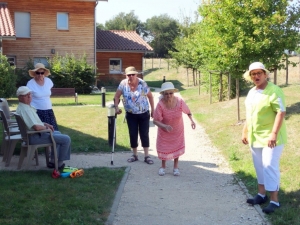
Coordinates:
[11,59]
[21,24]
[115,71]
[43,60]
[58,25]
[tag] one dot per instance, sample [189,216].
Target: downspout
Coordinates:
[95,42]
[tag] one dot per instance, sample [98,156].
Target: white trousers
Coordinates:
[266,164]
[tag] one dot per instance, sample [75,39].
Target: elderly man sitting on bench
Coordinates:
[33,122]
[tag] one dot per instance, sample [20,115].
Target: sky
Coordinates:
[145,9]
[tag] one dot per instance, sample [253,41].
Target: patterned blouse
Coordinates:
[135,102]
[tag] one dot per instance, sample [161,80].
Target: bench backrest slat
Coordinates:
[63,91]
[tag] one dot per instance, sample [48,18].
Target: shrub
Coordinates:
[7,78]
[22,73]
[68,71]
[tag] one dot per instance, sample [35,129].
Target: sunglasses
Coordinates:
[129,75]
[168,93]
[39,73]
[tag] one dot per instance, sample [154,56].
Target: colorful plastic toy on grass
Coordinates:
[68,169]
[65,175]
[77,173]
[55,174]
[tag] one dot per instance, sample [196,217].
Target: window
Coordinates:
[22,24]
[62,21]
[43,60]
[115,65]
[11,60]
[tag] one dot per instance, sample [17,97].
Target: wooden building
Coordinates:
[117,50]
[39,29]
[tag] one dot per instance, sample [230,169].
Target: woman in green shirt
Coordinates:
[265,132]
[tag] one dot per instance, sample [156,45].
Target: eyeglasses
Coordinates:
[39,73]
[129,75]
[256,74]
[168,93]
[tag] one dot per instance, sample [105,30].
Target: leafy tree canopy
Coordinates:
[162,32]
[124,21]
[234,33]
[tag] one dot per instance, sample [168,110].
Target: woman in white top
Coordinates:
[41,91]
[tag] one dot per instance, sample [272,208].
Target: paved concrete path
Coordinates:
[205,193]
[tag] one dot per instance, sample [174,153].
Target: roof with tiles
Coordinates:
[120,40]
[7,30]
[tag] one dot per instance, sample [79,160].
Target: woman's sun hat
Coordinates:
[255,66]
[37,67]
[131,70]
[167,86]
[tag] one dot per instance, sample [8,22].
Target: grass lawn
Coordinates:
[35,198]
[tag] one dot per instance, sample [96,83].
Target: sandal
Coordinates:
[148,160]
[77,173]
[161,171]
[133,158]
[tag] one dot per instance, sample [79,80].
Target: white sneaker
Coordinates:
[176,172]
[161,171]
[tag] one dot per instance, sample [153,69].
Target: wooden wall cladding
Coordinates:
[78,40]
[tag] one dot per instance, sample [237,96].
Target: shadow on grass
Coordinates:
[292,110]
[147,71]
[85,143]
[290,202]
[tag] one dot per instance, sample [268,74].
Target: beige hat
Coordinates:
[23,90]
[131,70]
[37,67]
[255,66]
[167,86]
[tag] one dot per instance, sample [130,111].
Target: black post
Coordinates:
[103,96]
[111,126]
[164,80]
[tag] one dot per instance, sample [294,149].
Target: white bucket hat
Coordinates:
[167,86]
[23,90]
[37,67]
[255,66]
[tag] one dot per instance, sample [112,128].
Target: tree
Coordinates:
[239,32]
[124,21]
[100,26]
[162,32]
[7,78]
[234,33]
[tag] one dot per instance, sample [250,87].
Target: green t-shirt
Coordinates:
[261,109]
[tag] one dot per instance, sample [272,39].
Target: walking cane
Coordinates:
[114,136]
[113,144]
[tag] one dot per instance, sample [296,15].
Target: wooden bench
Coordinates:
[64,92]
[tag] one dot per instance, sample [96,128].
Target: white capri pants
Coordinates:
[266,164]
